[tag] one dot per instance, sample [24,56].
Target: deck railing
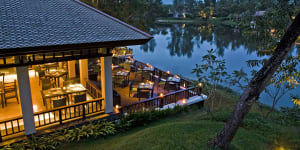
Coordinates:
[58,115]
[11,126]
[159,102]
[93,90]
[66,113]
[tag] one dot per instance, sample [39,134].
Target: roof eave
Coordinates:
[69,47]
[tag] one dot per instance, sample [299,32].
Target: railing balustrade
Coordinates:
[159,102]
[93,90]
[58,115]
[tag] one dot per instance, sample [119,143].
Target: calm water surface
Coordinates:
[178,48]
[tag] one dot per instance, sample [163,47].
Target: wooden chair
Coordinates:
[132,89]
[80,98]
[46,84]
[11,91]
[59,102]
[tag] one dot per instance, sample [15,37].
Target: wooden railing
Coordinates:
[159,102]
[65,113]
[11,126]
[55,116]
[93,90]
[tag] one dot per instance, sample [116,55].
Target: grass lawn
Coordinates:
[192,131]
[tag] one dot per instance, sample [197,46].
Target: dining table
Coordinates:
[62,91]
[124,74]
[173,81]
[145,86]
[56,74]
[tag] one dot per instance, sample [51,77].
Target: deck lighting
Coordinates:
[200,84]
[184,101]
[161,94]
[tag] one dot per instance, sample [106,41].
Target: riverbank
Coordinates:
[217,21]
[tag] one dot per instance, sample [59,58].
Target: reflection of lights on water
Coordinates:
[281,148]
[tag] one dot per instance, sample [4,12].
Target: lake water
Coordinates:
[178,48]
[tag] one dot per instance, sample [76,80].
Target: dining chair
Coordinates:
[11,91]
[41,76]
[46,84]
[161,84]
[132,89]
[59,102]
[80,98]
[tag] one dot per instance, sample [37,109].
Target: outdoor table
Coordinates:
[49,65]
[56,74]
[124,74]
[148,69]
[64,91]
[149,86]
[173,81]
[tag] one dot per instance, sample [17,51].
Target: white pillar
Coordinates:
[71,69]
[106,83]
[26,99]
[84,74]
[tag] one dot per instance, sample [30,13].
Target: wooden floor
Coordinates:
[13,109]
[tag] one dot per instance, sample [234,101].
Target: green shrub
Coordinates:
[52,141]
[143,117]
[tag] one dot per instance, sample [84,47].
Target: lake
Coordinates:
[178,48]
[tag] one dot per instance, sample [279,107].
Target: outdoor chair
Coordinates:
[131,88]
[59,102]
[11,91]
[161,83]
[80,98]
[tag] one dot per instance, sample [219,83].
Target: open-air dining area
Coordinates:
[78,74]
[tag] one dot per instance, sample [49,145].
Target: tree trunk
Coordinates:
[256,86]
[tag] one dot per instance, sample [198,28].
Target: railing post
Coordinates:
[161,104]
[0,137]
[83,111]
[60,116]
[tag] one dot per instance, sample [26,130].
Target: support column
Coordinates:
[26,99]
[84,68]
[106,83]
[71,69]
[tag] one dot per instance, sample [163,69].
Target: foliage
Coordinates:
[144,117]
[211,73]
[93,129]
[54,140]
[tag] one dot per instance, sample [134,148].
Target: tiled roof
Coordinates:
[43,23]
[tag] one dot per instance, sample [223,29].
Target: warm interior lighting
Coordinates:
[200,84]
[168,72]
[35,108]
[117,106]
[184,85]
